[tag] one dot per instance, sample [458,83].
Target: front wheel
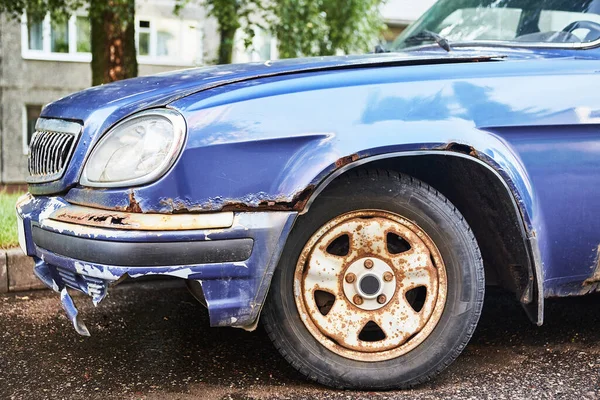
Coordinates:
[380,285]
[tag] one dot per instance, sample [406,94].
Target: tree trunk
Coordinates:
[227,36]
[113,40]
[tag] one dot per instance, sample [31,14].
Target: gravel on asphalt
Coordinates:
[152,340]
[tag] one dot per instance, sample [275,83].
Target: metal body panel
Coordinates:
[268,137]
[324,122]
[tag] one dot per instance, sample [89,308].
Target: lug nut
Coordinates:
[350,277]
[388,276]
[381,299]
[369,264]
[357,300]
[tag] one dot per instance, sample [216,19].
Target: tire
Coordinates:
[306,339]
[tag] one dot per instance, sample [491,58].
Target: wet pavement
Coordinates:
[152,341]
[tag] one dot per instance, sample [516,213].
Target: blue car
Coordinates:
[358,206]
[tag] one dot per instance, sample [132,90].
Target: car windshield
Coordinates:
[520,22]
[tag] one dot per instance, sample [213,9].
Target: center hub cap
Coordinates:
[365,283]
[369,285]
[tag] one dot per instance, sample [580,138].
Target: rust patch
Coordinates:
[297,203]
[459,148]
[96,219]
[595,278]
[346,160]
[251,202]
[141,221]
[134,206]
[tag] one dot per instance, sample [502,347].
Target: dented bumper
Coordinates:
[232,255]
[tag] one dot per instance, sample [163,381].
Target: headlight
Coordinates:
[137,150]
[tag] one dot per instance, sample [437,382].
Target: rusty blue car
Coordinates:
[357,206]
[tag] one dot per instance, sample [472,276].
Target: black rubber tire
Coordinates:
[422,204]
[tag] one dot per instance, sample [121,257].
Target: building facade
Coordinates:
[398,14]
[41,61]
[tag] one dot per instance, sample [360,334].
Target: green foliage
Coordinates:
[59,9]
[302,27]
[8,220]
[231,15]
[112,25]
[37,9]
[324,27]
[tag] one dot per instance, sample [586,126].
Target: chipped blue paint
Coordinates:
[73,313]
[233,290]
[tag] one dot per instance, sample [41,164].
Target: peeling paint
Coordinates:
[145,222]
[346,160]
[234,289]
[592,284]
[73,313]
[134,206]
[175,272]
[459,148]
[96,272]
[49,208]
[260,201]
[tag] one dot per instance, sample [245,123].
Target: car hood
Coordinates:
[98,108]
[122,98]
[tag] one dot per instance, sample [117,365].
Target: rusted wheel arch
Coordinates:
[517,267]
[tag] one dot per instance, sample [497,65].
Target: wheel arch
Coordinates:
[486,200]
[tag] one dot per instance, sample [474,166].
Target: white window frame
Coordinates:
[24,129]
[74,56]
[152,58]
[45,54]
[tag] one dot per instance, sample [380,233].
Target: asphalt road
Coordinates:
[152,341]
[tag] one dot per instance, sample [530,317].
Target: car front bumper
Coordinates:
[231,255]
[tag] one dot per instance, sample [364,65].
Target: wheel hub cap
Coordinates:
[370,285]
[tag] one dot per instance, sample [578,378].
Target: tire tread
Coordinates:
[269,323]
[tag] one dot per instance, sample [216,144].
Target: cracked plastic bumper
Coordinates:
[234,265]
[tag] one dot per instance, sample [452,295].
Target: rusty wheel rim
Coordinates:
[370,285]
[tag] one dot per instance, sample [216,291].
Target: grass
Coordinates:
[8,220]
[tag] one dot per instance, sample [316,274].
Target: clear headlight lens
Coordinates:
[137,150]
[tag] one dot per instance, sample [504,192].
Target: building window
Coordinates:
[59,37]
[168,41]
[31,113]
[36,31]
[144,38]
[160,41]
[61,40]
[83,34]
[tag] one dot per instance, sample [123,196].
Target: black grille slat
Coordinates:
[51,161]
[65,144]
[49,154]
[41,153]
[50,150]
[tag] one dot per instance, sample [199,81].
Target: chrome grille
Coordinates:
[51,147]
